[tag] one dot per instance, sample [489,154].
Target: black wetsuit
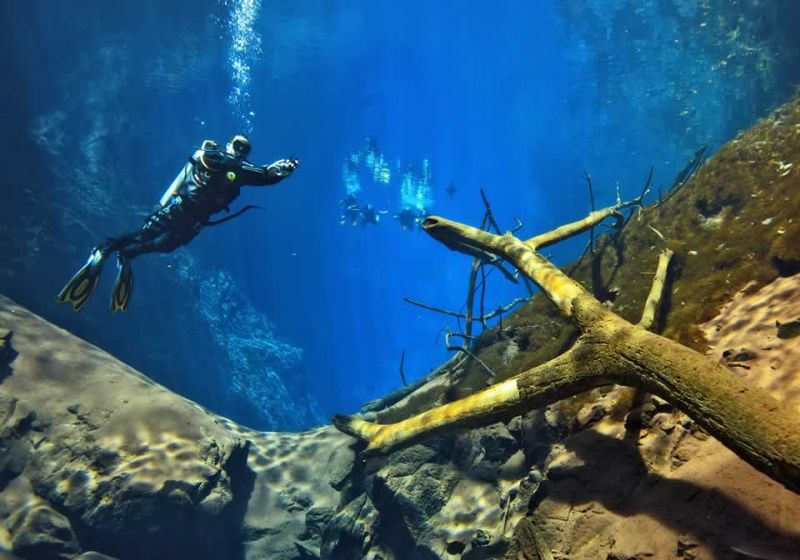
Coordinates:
[211,181]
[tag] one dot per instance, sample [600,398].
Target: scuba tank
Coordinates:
[174,186]
[207,146]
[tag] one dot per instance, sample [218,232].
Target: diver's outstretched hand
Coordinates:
[283,167]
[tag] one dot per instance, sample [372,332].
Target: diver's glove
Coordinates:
[282,167]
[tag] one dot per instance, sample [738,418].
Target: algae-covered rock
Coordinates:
[7,353]
[40,532]
[497,443]
[134,469]
[95,456]
[785,250]
[5,342]
[349,534]
[294,491]
[411,500]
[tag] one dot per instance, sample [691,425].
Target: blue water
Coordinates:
[285,316]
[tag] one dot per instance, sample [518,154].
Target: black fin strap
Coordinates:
[232,216]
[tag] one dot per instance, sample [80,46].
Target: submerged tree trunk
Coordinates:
[745,418]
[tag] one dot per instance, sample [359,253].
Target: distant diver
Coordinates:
[207,184]
[370,214]
[359,215]
[350,210]
[451,190]
[410,218]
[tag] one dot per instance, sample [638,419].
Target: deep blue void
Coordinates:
[285,316]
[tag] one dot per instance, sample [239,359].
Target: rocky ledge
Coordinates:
[97,458]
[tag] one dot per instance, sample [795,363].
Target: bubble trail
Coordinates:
[243,53]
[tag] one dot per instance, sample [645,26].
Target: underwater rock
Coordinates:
[40,532]
[784,251]
[349,534]
[483,547]
[483,452]
[136,470]
[96,456]
[293,491]
[422,502]
[497,443]
[7,353]
[15,422]
[591,413]
[410,500]
[5,342]
[316,520]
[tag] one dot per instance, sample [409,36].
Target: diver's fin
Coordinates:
[123,286]
[83,284]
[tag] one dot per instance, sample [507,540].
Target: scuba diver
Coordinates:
[370,214]
[207,184]
[410,218]
[359,215]
[350,210]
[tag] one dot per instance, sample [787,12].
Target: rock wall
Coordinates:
[94,456]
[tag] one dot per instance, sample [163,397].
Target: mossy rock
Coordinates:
[735,223]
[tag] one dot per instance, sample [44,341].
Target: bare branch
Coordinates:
[498,264]
[482,318]
[473,273]
[402,373]
[453,347]
[658,233]
[465,349]
[382,404]
[591,201]
[684,175]
[656,290]
[506,308]
[489,214]
[433,308]
[741,415]
[588,178]
[560,378]
[575,228]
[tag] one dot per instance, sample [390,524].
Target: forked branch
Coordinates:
[751,423]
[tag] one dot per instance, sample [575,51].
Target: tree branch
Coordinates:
[489,214]
[433,308]
[743,417]
[656,290]
[594,218]
[592,208]
[481,319]
[382,404]
[402,373]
